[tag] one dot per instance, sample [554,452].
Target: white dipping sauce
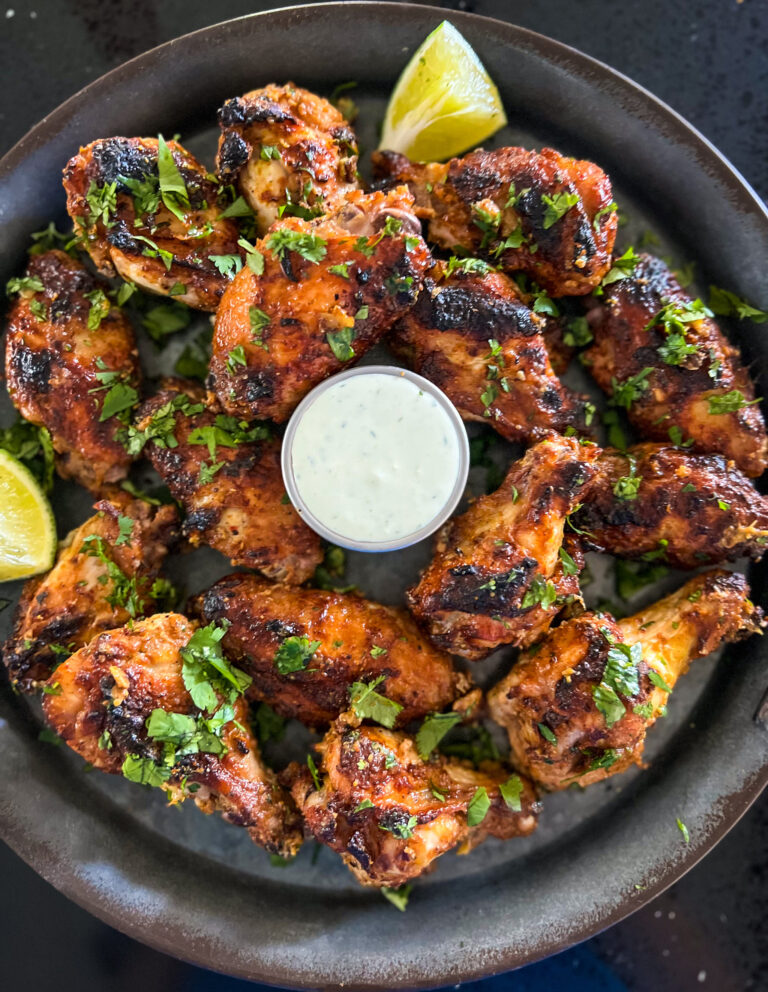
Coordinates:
[375,458]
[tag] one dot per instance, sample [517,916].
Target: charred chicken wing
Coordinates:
[540,213]
[500,574]
[157,701]
[305,648]
[148,211]
[226,475]
[72,366]
[107,572]
[326,291]
[662,357]
[471,334]
[577,707]
[288,151]
[390,814]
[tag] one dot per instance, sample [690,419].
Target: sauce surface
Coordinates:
[375,458]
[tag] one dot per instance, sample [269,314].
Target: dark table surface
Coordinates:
[709,60]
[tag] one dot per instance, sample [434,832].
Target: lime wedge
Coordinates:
[444,101]
[27,527]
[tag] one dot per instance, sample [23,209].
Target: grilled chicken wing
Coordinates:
[106,573]
[500,574]
[121,703]
[389,814]
[473,337]
[577,707]
[328,291]
[682,508]
[71,358]
[149,212]
[662,357]
[304,648]
[288,151]
[536,212]
[226,474]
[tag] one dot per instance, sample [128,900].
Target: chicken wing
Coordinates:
[471,334]
[72,366]
[390,814]
[226,475]
[289,152]
[577,705]
[500,574]
[662,357]
[328,291]
[535,212]
[107,572]
[149,211]
[304,649]
[157,701]
[679,507]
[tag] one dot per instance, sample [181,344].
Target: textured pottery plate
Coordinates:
[195,887]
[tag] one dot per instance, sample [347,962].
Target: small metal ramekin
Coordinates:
[376,546]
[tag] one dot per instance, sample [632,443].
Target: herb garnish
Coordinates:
[309,246]
[729,402]
[478,807]
[557,206]
[433,730]
[294,653]
[371,705]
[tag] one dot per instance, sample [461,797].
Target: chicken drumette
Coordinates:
[500,574]
[472,335]
[226,475]
[149,211]
[72,366]
[682,508]
[288,151]
[390,814]
[107,572]
[327,291]
[577,705]
[157,701]
[662,357]
[540,213]
[304,649]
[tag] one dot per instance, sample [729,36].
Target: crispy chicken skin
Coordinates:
[478,202]
[359,641]
[498,576]
[473,337]
[241,509]
[55,366]
[628,339]
[553,690]
[133,233]
[284,145]
[689,509]
[403,826]
[280,333]
[108,690]
[61,611]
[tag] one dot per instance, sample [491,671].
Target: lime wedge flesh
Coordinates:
[27,526]
[444,101]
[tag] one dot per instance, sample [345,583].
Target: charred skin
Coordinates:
[383,768]
[111,687]
[67,607]
[567,258]
[241,511]
[359,641]
[52,360]
[115,242]
[674,395]
[506,546]
[696,509]
[284,145]
[552,686]
[474,338]
[297,303]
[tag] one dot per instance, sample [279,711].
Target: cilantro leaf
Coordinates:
[433,730]
[478,807]
[398,897]
[727,304]
[206,673]
[144,771]
[608,703]
[371,705]
[511,792]
[341,343]
[557,206]
[173,189]
[309,246]
[294,653]
[729,402]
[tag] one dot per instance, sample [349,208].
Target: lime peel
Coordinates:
[27,524]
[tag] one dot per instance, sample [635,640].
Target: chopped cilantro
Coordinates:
[195,356]
[371,705]
[24,284]
[729,402]
[161,426]
[124,593]
[630,390]
[238,208]
[341,343]
[469,266]
[313,772]
[399,827]
[309,246]
[578,333]
[547,733]
[557,206]
[622,267]
[511,792]
[478,807]
[608,703]
[125,529]
[173,189]
[228,265]
[269,725]
[683,830]
[569,565]
[294,653]
[236,357]
[207,674]
[144,771]
[541,592]
[657,680]
[398,897]
[632,576]
[433,730]
[727,304]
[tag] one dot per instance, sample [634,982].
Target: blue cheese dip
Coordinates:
[376,457]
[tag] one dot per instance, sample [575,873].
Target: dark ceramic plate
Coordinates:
[191,885]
